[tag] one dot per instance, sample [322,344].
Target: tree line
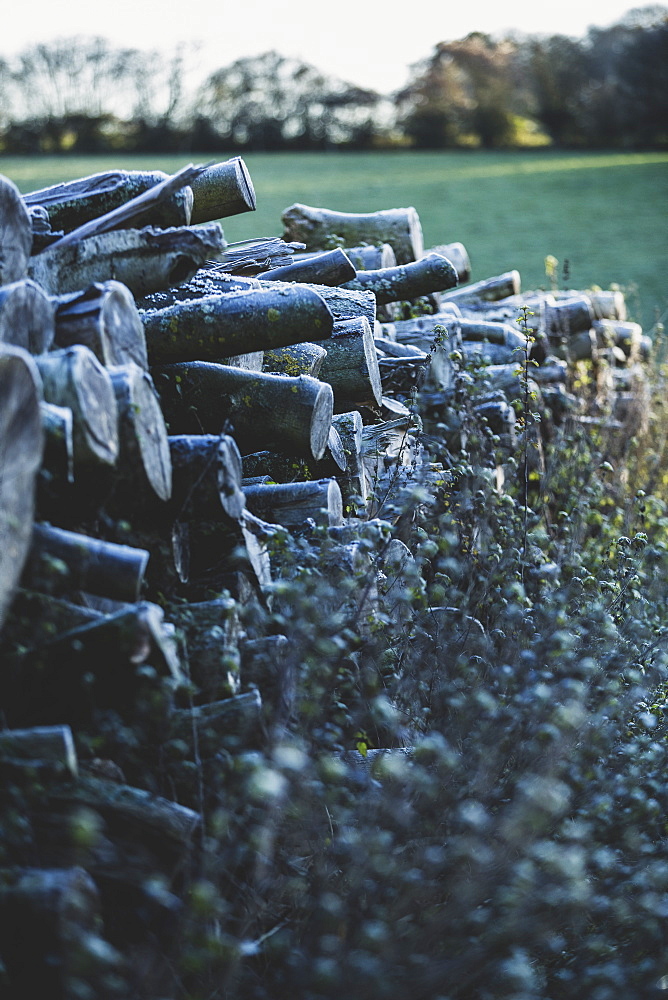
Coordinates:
[608,89]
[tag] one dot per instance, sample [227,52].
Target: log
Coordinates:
[41,743]
[292,504]
[221,326]
[579,346]
[144,455]
[74,378]
[563,318]
[479,293]
[34,619]
[61,561]
[330,268]
[211,630]
[228,724]
[493,333]
[458,256]
[16,234]
[73,203]
[232,556]
[221,190]
[352,480]
[26,316]
[266,663]
[58,459]
[105,319]
[206,477]
[146,260]
[281,467]
[318,228]
[335,448]
[628,336]
[372,258]
[22,446]
[351,365]
[296,359]
[437,336]
[431,273]
[275,411]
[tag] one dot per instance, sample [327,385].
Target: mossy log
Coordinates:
[458,256]
[22,439]
[351,365]
[292,504]
[206,477]
[146,260]
[60,561]
[296,359]
[275,411]
[281,467]
[221,190]
[319,227]
[144,461]
[431,273]
[221,326]
[105,319]
[480,293]
[73,203]
[26,316]
[16,233]
[54,744]
[74,378]
[332,267]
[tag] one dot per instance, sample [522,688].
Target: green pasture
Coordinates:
[605,214]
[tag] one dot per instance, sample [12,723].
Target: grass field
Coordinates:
[603,213]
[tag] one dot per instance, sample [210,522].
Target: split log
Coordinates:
[73,203]
[431,273]
[296,359]
[372,258]
[53,744]
[207,475]
[351,365]
[16,235]
[233,556]
[146,260]
[275,411]
[292,504]
[458,256]
[478,294]
[335,448]
[319,227]
[352,480]
[26,316]
[74,378]
[22,446]
[330,268]
[105,319]
[220,326]
[221,190]
[229,724]
[58,460]
[144,455]
[212,631]
[61,561]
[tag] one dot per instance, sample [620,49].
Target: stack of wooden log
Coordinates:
[170,407]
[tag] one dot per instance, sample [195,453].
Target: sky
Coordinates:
[365,42]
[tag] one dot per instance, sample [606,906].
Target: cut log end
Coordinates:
[321,420]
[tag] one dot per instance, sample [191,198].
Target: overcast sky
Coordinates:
[368,42]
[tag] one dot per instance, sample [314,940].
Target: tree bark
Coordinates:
[296,359]
[211,630]
[458,256]
[318,227]
[291,504]
[105,319]
[61,561]
[332,267]
[26,317]
[275,411]
[76,202]
[221,326]
[146,260]
[563,318]
[351,365]
[495,333]
[58,458]
[479,293]
[431,273]
[16,233]
[372,258]
[144,457]
[207,477]
[223,189]
[74,378]
[22,440]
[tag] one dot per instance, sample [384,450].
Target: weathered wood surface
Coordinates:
[318,228]
[352,479]
[15,233]
[58,459]
[275,411]
[74,378]
[495,333]
[432,273]
[144,459]
[292,504]
[220,326]
[351,365]
[54,744]
[221,190]
[230,723]
[372,258]
[458,256]
[566,317]
[211,631]
[26,316]
[296,359]
[207,472]
[146,260]
[479,293]
[105,319]
[76,202]
[22,440]
[332,267]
